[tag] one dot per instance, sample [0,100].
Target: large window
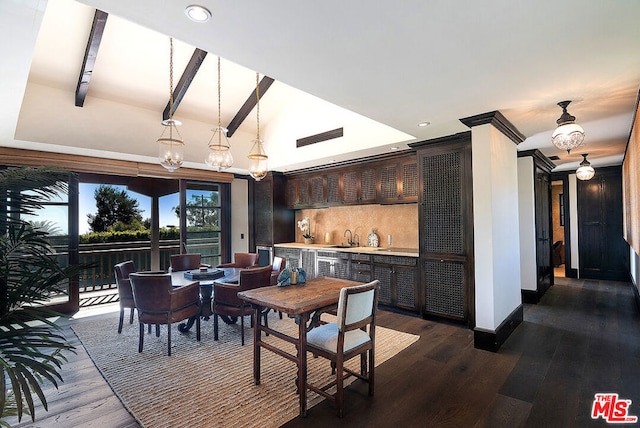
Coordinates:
[203,218]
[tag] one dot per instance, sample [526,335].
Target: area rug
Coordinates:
[208,383]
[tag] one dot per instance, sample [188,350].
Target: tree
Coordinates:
[114,206]
[202,211]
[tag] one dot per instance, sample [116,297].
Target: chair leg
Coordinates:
[215,326]
[157,330]
[149,326]
[371,372]
[131,317]
[121,320]
[198,328]
[242,329]
[141,340]
[340,386]
[168,338]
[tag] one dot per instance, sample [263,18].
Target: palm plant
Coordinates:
[32,347]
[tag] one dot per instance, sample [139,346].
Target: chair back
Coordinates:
[254,278]
[357,306]
[278,266]
[122,272]
[151,291]
[181,262]
[245,260]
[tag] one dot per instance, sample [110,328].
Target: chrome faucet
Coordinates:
[356,240]
[349,241]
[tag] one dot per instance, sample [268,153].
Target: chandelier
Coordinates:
[257,156]
[171,148]
[568,135]
[585,171]
[219,148]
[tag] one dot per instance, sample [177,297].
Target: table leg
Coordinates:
[302,363]
[257,334]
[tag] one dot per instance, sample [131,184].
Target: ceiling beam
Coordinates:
[248,105]
[90,55]
[183,84]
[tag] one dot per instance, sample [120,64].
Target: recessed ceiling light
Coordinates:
[197,13]
[423,124]
[395,148]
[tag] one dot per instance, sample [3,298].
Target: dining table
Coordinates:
[206,279]
[304,303]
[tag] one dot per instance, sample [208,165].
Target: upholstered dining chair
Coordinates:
[346,338]
[158,302]
[179,262]
[226,300]
[125,294]
[242,260]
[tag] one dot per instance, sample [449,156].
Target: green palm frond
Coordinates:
[32,347]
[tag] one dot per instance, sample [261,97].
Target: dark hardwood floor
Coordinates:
[582,338]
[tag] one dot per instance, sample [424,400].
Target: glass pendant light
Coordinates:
[585,171]
[171,148]
[219,156]
[568,135]
[257,156]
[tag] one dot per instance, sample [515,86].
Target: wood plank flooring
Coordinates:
[582,338]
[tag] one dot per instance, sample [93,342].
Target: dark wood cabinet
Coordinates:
[360,268]
[389,181]
[446,227]
[273,221]
[398,278]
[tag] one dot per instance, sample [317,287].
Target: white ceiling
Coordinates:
[376,68]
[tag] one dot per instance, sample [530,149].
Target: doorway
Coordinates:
[559,212]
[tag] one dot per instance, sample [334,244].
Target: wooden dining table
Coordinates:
[303,302]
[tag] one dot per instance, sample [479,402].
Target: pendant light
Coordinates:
[171,148]
[219,148]
[257,156]
[585,171]
[568,135]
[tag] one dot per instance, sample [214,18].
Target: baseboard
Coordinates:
[492,341]
[530,296]
[572,273]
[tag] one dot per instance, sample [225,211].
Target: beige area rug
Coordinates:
[208,384]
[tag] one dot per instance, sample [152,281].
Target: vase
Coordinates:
[308,241]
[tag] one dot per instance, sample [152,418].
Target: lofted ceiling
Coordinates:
[375,69]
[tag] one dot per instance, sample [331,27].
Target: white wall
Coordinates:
[239,216]
[527,223]
[573,218]
[496,226]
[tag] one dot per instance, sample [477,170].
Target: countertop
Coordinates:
[391,251]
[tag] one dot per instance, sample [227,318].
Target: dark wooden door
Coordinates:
[543,229]
[603,252]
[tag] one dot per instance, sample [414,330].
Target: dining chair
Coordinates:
[242,260]
[226,300]
[125,294]
[179,262]
[279,264]
[158,302]
[346,338]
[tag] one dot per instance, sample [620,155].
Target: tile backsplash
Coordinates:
[400,221]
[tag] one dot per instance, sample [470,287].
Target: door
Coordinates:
[543,230]
[604,254]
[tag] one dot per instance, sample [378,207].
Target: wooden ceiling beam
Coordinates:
[185,81]
[248,105]
[90,55]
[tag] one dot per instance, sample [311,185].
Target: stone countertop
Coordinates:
[391,251]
